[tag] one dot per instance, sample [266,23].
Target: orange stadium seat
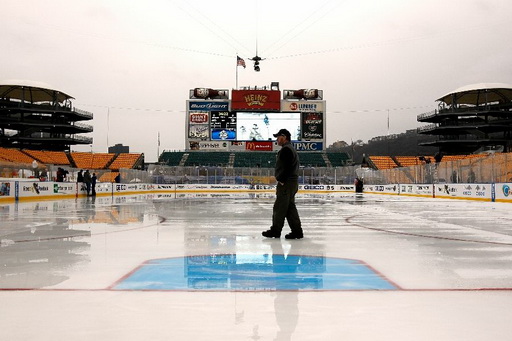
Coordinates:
[15,155]
[407,161]
[383,162]
[48,157]
[108,177]
[124,160]
[91,160]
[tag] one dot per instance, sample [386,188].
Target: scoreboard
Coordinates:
[223,125]
[247,122]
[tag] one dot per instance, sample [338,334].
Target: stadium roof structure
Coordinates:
[34,115]
[478,94]
[471,119]
[31,91]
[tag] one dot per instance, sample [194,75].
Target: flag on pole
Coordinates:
[240,62]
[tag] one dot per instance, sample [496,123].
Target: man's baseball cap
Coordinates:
[283,132]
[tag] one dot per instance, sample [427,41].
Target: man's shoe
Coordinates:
[294,235]
[270,234]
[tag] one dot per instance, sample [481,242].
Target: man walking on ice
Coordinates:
[287,176]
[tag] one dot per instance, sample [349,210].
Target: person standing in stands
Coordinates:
[87,181]
[287,176]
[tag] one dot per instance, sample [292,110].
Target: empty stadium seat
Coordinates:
[125,160]
[91,160]
[48,157]
[15,155]
[207,159]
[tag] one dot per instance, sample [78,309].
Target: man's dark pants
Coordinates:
[284,207]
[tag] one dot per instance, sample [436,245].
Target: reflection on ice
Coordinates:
[254,272]
[41,241]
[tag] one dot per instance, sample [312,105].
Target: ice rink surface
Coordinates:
[195,267]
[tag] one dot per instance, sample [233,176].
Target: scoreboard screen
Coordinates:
[223,125]
[260,126]
[223,119]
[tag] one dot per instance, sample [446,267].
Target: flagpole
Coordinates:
[158,148]
[236,87]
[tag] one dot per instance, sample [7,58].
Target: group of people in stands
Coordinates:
[88,180]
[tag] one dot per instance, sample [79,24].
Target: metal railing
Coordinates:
[83,112]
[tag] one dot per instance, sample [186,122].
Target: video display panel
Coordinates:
[260,126]
[223,125]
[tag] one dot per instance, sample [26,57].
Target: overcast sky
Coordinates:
[132,63]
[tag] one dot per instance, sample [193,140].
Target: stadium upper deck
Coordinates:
[37,117]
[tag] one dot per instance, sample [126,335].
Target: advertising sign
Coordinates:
[503,192]
[213,145]
[35,189]
[199,131]
[200,117]
[312,126]
[237,146]
[5,189]
[302,106]
[256,100]
[259,146]
[463,191]
[208,106]
[308,146]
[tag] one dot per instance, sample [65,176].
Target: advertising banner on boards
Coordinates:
[503,192]
[464,191]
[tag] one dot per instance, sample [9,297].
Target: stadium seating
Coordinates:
[207,159]
[124,160]
[15,155]
[255,159]
[407,161]
[250,159]
[48,157]
[91,160]
[171,158]
[312,159]
[383,162]
[338,159]
[448,158]
[108,177]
